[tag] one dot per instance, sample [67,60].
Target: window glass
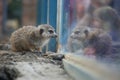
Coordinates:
[92,28]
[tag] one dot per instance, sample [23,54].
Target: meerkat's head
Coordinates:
[47,31]
[80,33]
[85,33]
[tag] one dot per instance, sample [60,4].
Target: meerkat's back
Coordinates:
[20,38]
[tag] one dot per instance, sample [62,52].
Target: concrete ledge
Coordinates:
[82,68]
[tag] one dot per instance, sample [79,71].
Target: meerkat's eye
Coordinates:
[41,31]
[77,32]
[51,31]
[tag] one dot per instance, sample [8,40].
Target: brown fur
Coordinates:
[31,38]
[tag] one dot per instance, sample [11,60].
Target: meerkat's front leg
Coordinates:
[38,49]
[37,52]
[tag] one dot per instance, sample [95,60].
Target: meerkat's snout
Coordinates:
[52,34]
[75,34]
[56,35]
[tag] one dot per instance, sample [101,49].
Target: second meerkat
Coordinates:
[93,41]
[31,38]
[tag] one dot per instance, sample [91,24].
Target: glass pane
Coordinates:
[92,28]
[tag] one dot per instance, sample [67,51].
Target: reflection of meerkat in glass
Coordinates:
[31,38]
[94,41]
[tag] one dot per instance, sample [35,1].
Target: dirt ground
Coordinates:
[30,66]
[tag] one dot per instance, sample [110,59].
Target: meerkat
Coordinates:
[94,41]
[32,38]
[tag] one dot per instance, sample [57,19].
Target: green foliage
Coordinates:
[15,9]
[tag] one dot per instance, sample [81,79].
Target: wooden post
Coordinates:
[84,68]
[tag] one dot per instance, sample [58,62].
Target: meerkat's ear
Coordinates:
[41,31]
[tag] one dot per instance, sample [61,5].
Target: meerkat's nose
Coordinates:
[56,35]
